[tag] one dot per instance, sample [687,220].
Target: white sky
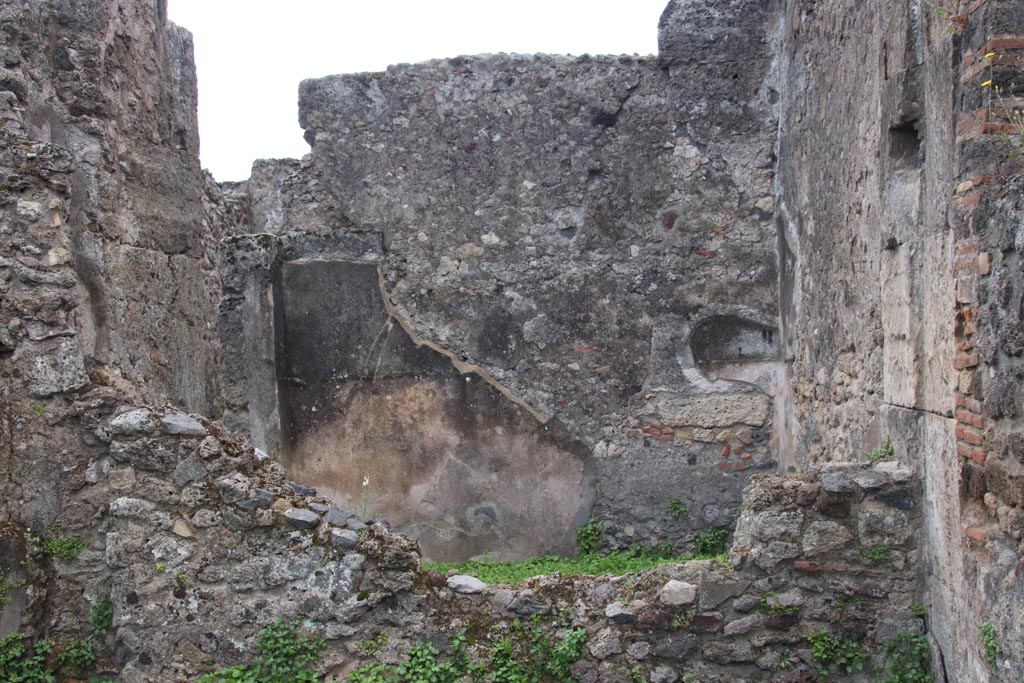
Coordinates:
[251,54]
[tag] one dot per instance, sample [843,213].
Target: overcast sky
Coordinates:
[251,54]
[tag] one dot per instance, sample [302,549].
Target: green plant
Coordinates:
[907,659]
[5,588]
[77,654]
[677,509]
[684,619]
[285,655]
[101,616]
[371,646]
[843,603]
[786,659]
[615,563]
[636,675]
[161,566]
[63,547]
[949,12]
[711,543]
[919,610]
[588,536]
[832,653]
[770,605]
[39,409]
[22,664]
[874,555]
[987,632]
[881,453]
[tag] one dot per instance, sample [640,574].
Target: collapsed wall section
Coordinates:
[565,228]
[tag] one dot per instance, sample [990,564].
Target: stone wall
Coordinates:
[199,542]
[898,259]
[589,241]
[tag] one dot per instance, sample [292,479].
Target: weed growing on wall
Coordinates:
[285,655]
[588,537]
[907,660]
[987,633]
[711,543]
[834,654]
[101,616]
[63,547]
[881,453]
[22,663]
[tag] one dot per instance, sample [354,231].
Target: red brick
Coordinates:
[978,456]
[969,435]
[960,400]
[976,534]
[1003,43]
[726,449]
[744,455]
[967,248]
[963,450]
[984,263]
[967,201]
[978,422]
[807,567]
[965,417]
[662,437]
[972,405]
[963,263]
[703,252]
[966,360]
[964,346]
[725,466]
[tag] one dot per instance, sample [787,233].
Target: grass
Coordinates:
[590,564]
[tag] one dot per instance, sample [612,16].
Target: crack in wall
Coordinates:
[460,365]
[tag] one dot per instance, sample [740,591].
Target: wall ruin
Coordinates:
[789,239]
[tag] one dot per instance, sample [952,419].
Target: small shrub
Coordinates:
[908,659]
[987,632]
[22,664]
[770,605]
[371,646]
[874,555]
[64,547]
[588,537]
[919,610]
[78,655]
[285,655]
[711,543]
[881,453]
[832,653]
[677,509]
[101,617]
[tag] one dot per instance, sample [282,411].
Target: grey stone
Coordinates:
[463,583]
[264,498]
[869,480]
[774,524]
[181,424]
[639,650]
[894,470]
[134,423]
[355,524]
[663,674]
[343,539]
[768,555]
[527,602]
[836,482]
[301,518]
[57,370]
[675,647]
[319,508]
[714,593]
[188,470]
[98,470]
[131,507]
[606,643]
[337,516]
[741,625]
[234,488]
[745,603]
[302,490]
[617,613]
[677,593]
[825,536]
